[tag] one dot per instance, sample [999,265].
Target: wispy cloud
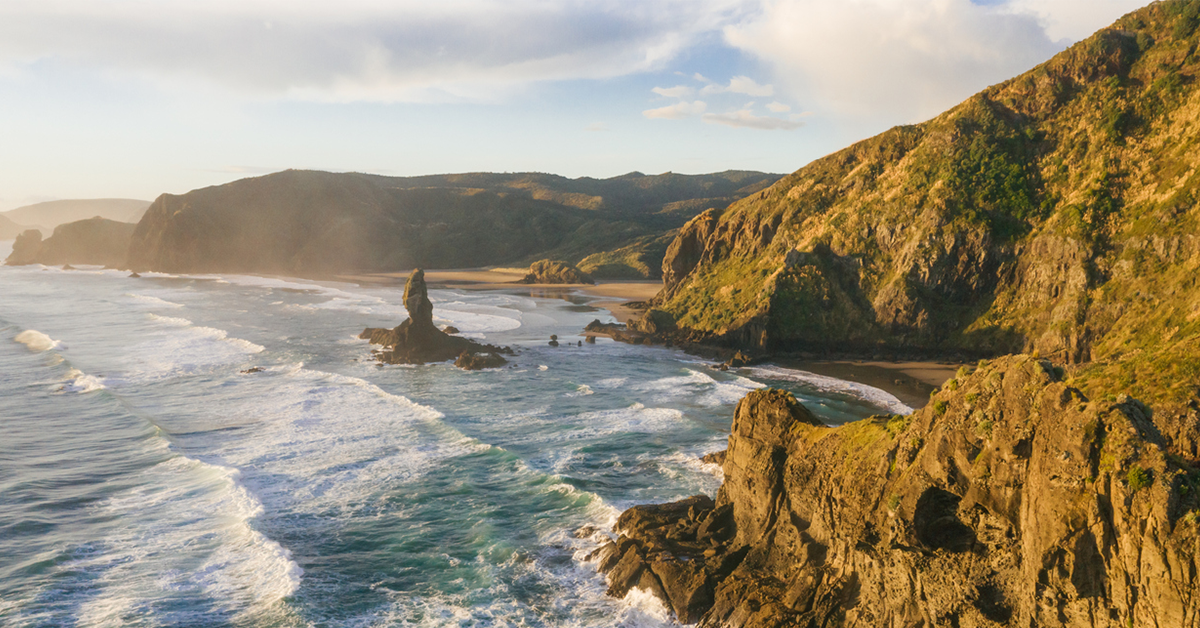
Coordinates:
[745,118]
[679,91]
[778,107]
[677,111]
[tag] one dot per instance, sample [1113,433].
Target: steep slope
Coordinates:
[298,221]
[1056,212]
[93,241]
[1011,500]
[51,214]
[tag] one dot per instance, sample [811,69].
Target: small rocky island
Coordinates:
[418,341]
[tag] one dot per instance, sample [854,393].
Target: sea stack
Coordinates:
[417,340]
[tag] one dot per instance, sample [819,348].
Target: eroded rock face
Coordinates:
[553,271]
[417,340]
[1010,500]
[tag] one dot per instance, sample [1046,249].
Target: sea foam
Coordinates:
[36,341]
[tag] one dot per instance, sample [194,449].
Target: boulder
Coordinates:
[476,361]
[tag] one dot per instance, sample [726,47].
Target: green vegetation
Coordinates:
[1138,478]
[1052,214]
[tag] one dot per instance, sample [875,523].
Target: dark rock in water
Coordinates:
[135,275]
[579,343]
[417,340]
[553,271]
[739,360]
[1010,500]
[253,369]
[68,267]
[553,340]
[553,343]
[716,457]
[591,340]
[450,329]
[477,361]
[554,336]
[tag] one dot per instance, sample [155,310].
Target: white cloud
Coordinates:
[1073,20]
[358,50]
[679,91]
[900,60]
[778,107]
[677,111]
[746,119]
[740,85]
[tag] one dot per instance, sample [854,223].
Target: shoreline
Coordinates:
[910,381]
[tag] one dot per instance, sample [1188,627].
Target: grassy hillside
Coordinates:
[298,221]
[1056,212]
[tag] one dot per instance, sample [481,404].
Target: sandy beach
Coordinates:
[910,381]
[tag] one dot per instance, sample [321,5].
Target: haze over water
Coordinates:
[146,480]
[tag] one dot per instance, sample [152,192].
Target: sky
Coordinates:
[134,98]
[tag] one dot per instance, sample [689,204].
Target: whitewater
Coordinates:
[221,450]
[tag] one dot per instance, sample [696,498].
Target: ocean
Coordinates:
[215,450]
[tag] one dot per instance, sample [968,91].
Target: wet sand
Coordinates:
[910,382]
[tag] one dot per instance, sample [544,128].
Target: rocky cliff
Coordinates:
[93,241]
[1056,212]
[1012,499]
[318,222]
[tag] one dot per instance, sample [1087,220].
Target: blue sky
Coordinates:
[132,98]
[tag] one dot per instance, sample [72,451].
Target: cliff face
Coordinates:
[1011,500]
[1054,212]
[93,241]
[305,222]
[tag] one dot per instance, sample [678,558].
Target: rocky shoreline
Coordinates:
[1011,499]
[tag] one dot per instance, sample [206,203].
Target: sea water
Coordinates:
[213,450]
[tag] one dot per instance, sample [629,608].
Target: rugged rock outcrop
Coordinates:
[417,340]
[1010,500]
[25,248]
[555,271]
[93,241]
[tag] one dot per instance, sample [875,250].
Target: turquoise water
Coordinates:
[145,480]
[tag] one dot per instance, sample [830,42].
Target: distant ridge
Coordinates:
[321,222]
[50,214]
